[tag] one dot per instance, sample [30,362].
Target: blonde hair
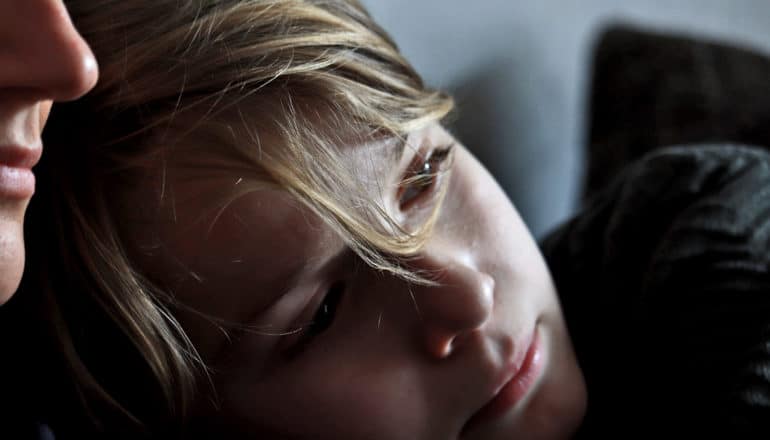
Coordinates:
[311,73]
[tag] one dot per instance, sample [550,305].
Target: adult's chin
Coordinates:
[11,257]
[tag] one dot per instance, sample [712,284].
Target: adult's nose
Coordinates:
[460,302]
[41,52]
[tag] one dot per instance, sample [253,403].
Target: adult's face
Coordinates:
[42,59]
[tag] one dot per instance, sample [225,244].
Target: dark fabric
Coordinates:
[24,374]
[26,431]
[665,283]
[651,90]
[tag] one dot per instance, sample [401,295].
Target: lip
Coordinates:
[16,177]
[519,379]
[17,156]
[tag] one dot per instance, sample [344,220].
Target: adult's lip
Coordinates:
[17,181]
[516,379]
[18,156]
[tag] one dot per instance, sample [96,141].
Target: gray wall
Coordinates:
[520,72]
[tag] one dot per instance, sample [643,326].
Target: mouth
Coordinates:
[16,177]
[520,379]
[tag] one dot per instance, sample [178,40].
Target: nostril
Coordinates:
[439,343]
[458,307]
[464,299]
[445,344]
[43,54]
[79,72]
[88,74]
[58,58]
[484,296]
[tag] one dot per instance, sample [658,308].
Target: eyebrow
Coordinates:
[288,282]
[397,152]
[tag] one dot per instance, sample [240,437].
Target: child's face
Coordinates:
[382,359]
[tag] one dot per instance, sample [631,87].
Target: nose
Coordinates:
[42,53]
[459,304]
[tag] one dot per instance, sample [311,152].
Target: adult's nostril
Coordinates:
[41,52]
[82,77]
[77,71]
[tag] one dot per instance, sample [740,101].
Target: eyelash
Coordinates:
[423,176]
[324,315]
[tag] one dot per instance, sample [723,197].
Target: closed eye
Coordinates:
[322,319]
[324,316]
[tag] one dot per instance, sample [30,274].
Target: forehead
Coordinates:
[232,257]
[247,248]
[230,262]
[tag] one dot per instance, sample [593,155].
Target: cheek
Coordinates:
[44,111]
[478,211]
[337,396]
[360,379]
[480,214]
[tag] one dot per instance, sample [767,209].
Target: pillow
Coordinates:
[652,90]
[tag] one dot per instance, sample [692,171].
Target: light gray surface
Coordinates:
[520,72]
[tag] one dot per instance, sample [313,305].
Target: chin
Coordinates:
[554,417]
[11,265]
[8,285]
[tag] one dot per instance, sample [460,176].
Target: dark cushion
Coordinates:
[651,90]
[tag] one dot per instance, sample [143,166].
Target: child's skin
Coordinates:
[383,359]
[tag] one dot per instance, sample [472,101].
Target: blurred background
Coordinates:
[522,72]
